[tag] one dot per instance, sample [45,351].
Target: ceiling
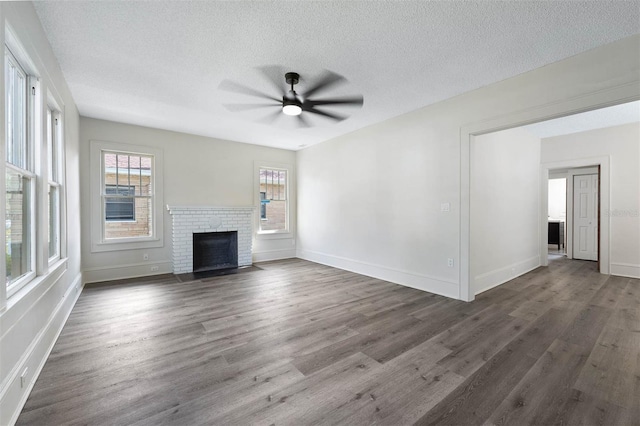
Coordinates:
[160,64]
[597,119]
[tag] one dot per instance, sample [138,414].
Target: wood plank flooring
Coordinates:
[300,343]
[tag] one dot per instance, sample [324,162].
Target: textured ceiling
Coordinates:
[598,119]
[159,64]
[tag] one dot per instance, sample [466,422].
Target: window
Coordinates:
[273,200]
[127,195]
[120,208]
[20,179]
[54,189]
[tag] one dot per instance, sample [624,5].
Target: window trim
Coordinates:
[13,52]
[279,233]
[98,242]
[56,181]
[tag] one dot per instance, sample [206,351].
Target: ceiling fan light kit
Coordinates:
[291,108]
[293,104]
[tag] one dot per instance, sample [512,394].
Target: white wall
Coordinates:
[34,316]
[557,199]
[370,201]
[505,197]
[197,171]
[622,145]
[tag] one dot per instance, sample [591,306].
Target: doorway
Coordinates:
[557,214]
[573,203]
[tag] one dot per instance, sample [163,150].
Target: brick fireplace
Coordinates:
[187,220]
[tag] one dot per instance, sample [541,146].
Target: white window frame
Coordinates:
[15,54]
[277,233]
[56,181]
[98,242]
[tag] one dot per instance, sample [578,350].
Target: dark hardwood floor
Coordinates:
[300,343]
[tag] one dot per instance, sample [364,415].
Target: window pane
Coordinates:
[52,151]
[283,185]
[54,221]
[140,226]
[273,196]
[16,111]
[275,215]
[127,195]
[18,226]
[121,207]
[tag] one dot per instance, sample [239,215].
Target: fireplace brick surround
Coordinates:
[189,219]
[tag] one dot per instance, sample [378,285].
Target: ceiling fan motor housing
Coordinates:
[292,78]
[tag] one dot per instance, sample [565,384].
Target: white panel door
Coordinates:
[585,217]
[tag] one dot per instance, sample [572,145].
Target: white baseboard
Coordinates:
[14,395]
[406,278]
[132,270]
[266,255]
[491,279]
[625,270]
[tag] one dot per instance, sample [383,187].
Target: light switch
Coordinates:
[445,207]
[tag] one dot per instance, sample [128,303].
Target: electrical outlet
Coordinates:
[154,269]
[450,262]
[145,256]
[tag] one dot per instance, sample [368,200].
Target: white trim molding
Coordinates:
[628,270]
[131,270]
[500,276]
[276,254]
[422,282]
[13,395]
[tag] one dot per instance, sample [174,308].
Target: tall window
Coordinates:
[273,200]
[20,179]
[127,195]
[53,154]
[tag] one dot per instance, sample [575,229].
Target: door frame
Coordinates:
[604,201]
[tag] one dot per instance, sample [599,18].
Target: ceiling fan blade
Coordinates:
[247,107]
[356,100]
[231,86]
[271,117]
[327,79]
[302,122]
[333,116]
[275,75]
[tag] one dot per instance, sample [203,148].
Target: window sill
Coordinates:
[51,277]
[274,235]
[53,260]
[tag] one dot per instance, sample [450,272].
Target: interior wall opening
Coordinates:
[521,195]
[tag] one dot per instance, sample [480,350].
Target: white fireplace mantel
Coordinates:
[187,220]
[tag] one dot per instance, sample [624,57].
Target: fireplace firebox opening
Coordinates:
[215,250]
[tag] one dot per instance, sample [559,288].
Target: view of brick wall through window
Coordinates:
[273,200]
[17,218]
[127,195]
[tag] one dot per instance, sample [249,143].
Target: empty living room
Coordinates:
[320,212]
